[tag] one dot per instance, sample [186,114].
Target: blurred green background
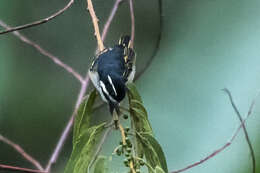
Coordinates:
[206,46]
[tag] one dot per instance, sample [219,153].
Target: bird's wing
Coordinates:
[129,57]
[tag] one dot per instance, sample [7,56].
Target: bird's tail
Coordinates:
[125,41]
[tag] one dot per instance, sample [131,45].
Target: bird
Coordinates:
[111,70]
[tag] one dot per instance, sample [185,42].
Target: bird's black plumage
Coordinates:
[111,70]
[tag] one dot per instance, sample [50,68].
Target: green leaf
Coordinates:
[86,137]
[145,142]
[149,152]
[84,149]
[159,170]
[158,150]
[101,165]
[83,117]
[139,117]
[138,111]
[133,92]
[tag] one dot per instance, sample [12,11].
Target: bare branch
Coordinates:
[110,18]
[66,131]
[131,164]
[59,12]
[95,24]
[55,59]
[19,169]
[21,151]
[132,22]
[243,126]
[225,145]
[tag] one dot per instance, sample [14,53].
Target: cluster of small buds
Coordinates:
[127,150]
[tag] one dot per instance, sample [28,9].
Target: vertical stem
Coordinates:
[95,24]
[132,22]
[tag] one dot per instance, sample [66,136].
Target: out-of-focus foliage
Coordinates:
[86,138]
[206,46]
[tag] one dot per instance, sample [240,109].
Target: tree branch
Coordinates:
[55,59]
[21,151]
[132,23]
[66,131]
[19,169]
[95,24]
[110,18]
[122,131]
[225,145]
[59,12]
[243,126]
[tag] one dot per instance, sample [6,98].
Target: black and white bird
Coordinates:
[111,70]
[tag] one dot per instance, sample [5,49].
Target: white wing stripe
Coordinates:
[111,83]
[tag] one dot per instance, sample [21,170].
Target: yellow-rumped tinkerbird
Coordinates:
[111,70]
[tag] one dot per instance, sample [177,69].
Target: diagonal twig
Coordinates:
[243,126]
[19,169]
[66,131]
[225,145]
[110,18]
[95,24]
[21,151]
[59,12]
[55,59]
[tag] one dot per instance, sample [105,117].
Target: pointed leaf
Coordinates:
[83,117]
[84,149]
[158,149]
[133,92]
[139,118]
[137,111]
[159,170]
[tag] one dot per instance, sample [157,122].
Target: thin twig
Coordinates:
[131,164]
[95,24]
[66,131]
[55,59]
[225,145]
[244,127]
[132,23]
[21,151]
[59,12]
[110,19]
[122,131]
[19,169]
